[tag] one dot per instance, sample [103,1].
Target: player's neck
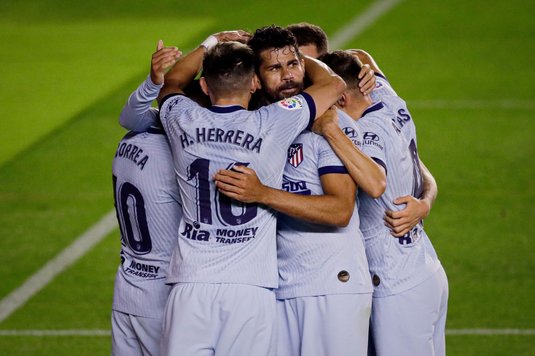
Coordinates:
[357,107]
[241,100]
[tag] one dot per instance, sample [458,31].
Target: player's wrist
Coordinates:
[425,207]
[153,81]
[209,42]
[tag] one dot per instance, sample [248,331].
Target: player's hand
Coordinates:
[236,35]
[163,59]
[402,221]
[327,121]
[240,183]
[367,79]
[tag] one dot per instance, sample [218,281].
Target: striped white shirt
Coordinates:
[317,259]
[149,211]
[396,264]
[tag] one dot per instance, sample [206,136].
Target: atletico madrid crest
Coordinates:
[295,154]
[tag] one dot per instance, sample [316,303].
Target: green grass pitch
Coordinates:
[463,67]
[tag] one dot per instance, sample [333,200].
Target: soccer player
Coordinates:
[148,210]
[410,286]
[225,267]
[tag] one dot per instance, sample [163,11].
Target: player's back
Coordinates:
[396,263]
[148,210]
[312,256]
[222,240]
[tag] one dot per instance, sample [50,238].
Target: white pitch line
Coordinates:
[360,23]
[101,332]
[490,332]
[71,332]
[58,264]
[472,104]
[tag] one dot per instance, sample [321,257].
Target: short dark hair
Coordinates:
[345,65]
[228,67]
[309,34]
[269,37]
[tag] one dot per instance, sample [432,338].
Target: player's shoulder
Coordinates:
[293,103]
[176,101]
[383,88]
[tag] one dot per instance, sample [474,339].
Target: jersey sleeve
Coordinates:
[328,161]
[137,114]
[287,118]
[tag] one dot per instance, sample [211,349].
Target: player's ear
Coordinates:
[255,83]
[204,86]
[342,101]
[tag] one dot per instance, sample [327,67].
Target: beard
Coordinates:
[286,90]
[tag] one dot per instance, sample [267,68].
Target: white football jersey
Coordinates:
[396,264]
[317,259]
[148,210]
[222,240]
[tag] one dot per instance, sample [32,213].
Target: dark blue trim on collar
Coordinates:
[225,109]
[374,107]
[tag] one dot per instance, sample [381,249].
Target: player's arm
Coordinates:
[366,58]
[326,86]
[402,221]
[182,73]
[335,207]
[187,68]
[367,174]
[137,114]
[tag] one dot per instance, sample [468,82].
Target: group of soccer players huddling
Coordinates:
[273,206]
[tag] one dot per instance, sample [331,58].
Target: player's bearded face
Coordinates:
[281,73]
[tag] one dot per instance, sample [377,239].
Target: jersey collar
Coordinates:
[225,109]
[374,107]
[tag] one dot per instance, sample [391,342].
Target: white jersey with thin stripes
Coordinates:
[222,240]
[396,264]
[317,259]
[148,211]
